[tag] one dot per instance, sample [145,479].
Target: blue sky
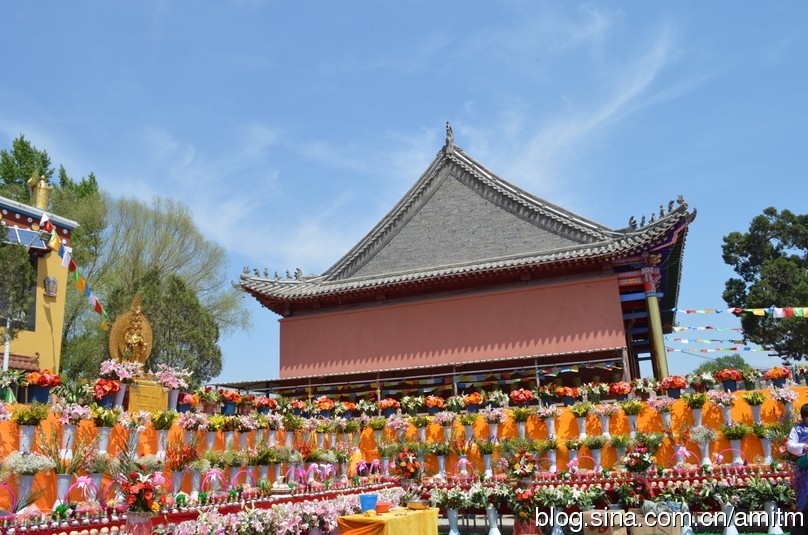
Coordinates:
[291,128]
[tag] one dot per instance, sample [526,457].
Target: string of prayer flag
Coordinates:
[775,312]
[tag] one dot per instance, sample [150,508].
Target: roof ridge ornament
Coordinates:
[449,147]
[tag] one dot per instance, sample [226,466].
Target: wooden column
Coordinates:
[660,356]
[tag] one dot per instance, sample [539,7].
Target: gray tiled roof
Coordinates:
[460,219]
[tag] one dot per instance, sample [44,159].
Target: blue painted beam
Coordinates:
[637,330]
[635,315]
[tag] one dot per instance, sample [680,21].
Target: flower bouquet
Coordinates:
[778,375]
[412,404]
[324,406]
[125,372]
[750,377]
[104,391]
[345,409]
[620,390]
[407,466]
[567,394]
[496,398]
[674,385]
[701,382]
[388,406]
[472,401]
[729,377]
[523,396]
[645,387]
[187,401]
[594,391]
[172,378]
[434,404]
[230,400]
[39,385]
[638,460]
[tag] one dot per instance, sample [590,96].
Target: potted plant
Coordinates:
[673,385]
[124,372]
[593,392]
[604,412]
[162,421]
[663,407]
[179,457]
[521,397]
[548,416]
[25,465]
[620,443]
[210,399]
[645,387]
[39,385]
[567,394]
[724,401]
[172,379]
[324,405]
[493,416]
[778,375]
[446,420]
[10,381]
[581,411]
[70,416]
[496,398]
[729,377]
[620,390]
[696,403]
[735,433]
[143,492]
[520,415]
[701,382]
[703,436]
[104,391]
[134,423]
[66,466]
[420,423]
[545,393]
[104,420]
[751,377]
[412,404]
[187,402]
[486,449]
[264,404]
[230,400]
[786,397]
[389,406]
[440,450]
[434,404]
[595,443]
[632,409]
[455,403]
[472,402]
[755,399]
[28,418]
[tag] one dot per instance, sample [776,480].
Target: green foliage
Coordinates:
[18,165]
[15,284]
[696,400]
[729,361]
[771,260]
[31,414]
[595,442]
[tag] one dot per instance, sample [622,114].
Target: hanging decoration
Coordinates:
[776,312]
[677,328]
[719,349]
[56,244]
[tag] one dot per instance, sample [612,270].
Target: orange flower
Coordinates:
[473,399]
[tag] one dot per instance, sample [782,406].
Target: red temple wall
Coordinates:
[550,317]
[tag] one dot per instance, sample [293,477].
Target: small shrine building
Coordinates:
[470,280]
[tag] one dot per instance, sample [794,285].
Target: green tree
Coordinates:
[728,361]
[771,260]
[15,285]
[18,165]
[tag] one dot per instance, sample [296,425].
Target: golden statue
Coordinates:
[131,335]
[40,191]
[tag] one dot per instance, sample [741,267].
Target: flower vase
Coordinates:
[680,457]
[696,417]
[447,433]
[441,465]
[229,437]
[176,481]
[596,455]
[377,436]
[332,440]
[242,439]
[493,430]
[767,450]
[674,393]
[620,452]
[138,523]
[26,437]
[729,519]
[551,454]
[581,427]
[422,434]
[271,437]
[343,470]
[487,464]
[62,486]
[774,520]
[385,465]
[320,441]
[103,439]
[463,461]
[276,473]
[263,471]
[604,425]
[705,453]
[451,516]
[737,458]
[632,424]
[666,419]
[492,516]
[196,480]
[119,396]
[557,530]
[133,440]
[550,423]
[173,396]
[788,410]
[68,438]
[289,437]
[188,436]
[210,440]
[521,428]
[573,454]
[162,443]
[24,484]
[755,413]
[726,412]
[97,479]
[469,432]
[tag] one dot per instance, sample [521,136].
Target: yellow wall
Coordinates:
[46,339]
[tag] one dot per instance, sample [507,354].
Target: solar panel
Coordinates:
[31,239]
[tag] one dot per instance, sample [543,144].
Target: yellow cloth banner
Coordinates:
[398,521]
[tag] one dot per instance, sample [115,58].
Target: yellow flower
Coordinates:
[155,507]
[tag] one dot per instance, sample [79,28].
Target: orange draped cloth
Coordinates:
[398,521]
